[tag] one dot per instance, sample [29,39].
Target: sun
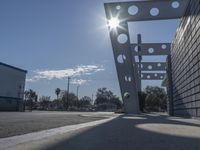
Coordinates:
[113,23]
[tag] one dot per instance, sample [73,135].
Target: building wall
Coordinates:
[12,82]
[185,58]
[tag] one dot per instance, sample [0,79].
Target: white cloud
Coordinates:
[79,81]
[69,72]
[30,80]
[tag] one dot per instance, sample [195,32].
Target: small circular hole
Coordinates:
[133,10]
[136,48]
[126,78]
[154,12]
[164,46]
[121,59]
[150,67]
[148,77]
[151,50]
[127,95]
[175,4]
[122,38]
[159,65]
[118,7]
[155,74]
[142,75]
[161,77]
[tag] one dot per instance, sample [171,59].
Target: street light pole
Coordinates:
[93,98]
[68,93]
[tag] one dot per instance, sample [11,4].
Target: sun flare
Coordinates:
[113,23]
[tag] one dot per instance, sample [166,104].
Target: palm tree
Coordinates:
[57,91]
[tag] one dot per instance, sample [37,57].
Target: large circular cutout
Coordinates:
[175,4]
[133,10]
[122,38]
[154,12]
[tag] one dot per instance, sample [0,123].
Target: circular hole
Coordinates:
[133,10]
[122,38]
[136,48]
[127,95]
[141,65]
[121,59]
[148,77]
[126,78]
[175,4]
[161,77]
[154,12]
[151,50]
[155,74]
[142,75]
[118,7]
[159,65]
[150,67]
[164,46]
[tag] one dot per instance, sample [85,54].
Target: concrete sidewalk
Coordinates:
[128,132]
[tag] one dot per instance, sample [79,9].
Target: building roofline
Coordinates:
[6,65]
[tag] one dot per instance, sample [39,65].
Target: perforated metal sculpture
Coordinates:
[129,74]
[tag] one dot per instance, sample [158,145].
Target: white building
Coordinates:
[12,83]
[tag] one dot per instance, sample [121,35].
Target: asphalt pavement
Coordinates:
[126,132]
[18,123]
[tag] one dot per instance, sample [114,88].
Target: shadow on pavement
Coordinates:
[125,133]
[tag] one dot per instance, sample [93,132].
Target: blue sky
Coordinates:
[53,39]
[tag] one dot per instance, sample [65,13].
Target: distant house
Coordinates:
[12,83]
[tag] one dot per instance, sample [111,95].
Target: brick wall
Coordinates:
[185,58]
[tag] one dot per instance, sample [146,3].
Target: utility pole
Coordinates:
[77,90]
[93,99]
[68,93]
